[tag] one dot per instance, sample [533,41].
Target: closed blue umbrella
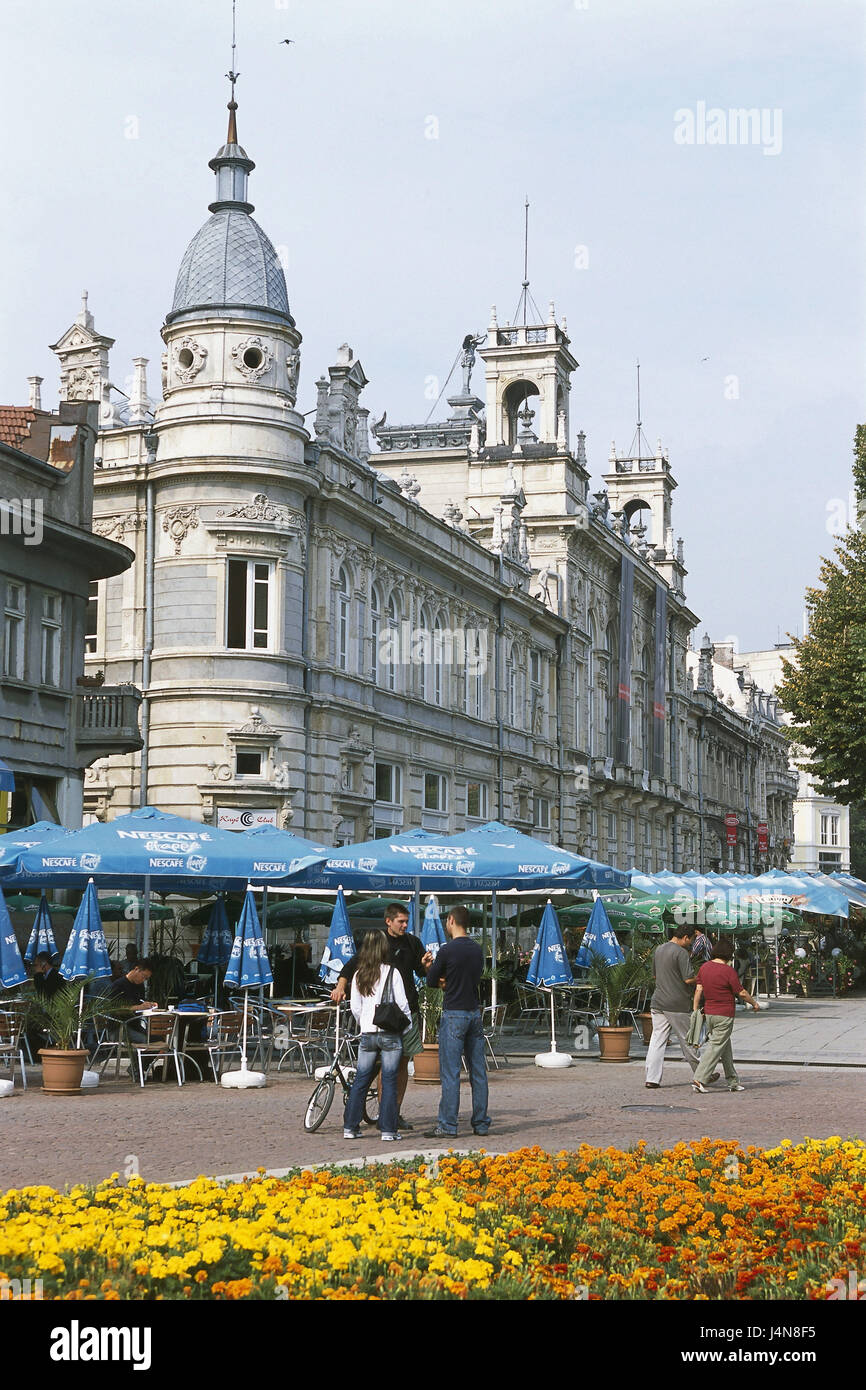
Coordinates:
[12,970]
[549,967]
[216,944]
[42,935]
[340,946]
[598,939]
[248,968]
[432,931]
[86,950]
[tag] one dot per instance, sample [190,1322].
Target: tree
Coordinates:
[824,690]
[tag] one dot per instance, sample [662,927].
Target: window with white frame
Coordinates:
[628,825]
[248,762]
[52,608]
[477,800]
[611,827]
[829,829]
[374,634]
[248,604]
[393,639]
[438,655]
[389,784]
[535,668]
[91,627]
[362,635]
[343,618]
[541,812]
[474,674]
[513,678]
[13,631]
[435,791]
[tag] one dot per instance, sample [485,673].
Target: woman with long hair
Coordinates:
[368,985]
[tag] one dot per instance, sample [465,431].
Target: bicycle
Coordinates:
[320,1101]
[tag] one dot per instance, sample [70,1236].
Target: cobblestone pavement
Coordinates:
[172,1134]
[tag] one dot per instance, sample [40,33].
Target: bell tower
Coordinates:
[528,369]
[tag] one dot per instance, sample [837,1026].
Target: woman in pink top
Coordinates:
[719,986]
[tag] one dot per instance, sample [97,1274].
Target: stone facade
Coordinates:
[447,630]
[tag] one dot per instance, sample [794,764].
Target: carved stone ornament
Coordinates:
[293,367]
[189,358]
[260,509]
[115,527]
[252,357]
[178,522]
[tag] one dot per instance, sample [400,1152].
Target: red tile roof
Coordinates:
[15,422]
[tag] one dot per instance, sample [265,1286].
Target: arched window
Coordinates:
[474,671]
[393,639]
[513,687]
[610,646]
[375,615]
[518,397]
[592,690]
[438,661]
[343,610]
[423,654]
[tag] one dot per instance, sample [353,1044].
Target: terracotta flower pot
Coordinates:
[646,1023]
[62,1070]
[614,1043]
[427,1065]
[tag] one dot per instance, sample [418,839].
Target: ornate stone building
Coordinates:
[444,631]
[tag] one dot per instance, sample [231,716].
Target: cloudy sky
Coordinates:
[395,143]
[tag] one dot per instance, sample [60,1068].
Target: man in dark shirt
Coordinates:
[458,967]
[410,959]
[47,979]
[130,988]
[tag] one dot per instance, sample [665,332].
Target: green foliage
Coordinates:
[618,984]
[59,1015]
[430,1007]
[858,840]
[825,691]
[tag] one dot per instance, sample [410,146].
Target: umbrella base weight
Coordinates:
[552,1059]
[242,1080]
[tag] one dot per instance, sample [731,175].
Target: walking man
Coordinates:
[458,967]
[671,1004]
[409,957]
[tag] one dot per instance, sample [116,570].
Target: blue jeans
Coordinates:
[388,1046]
[461,1035]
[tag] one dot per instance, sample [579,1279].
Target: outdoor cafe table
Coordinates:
[179,1017]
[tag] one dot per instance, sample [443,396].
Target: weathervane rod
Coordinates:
[232,74]
[638,402]
[525,256]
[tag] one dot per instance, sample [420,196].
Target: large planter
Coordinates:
[646,1024]
[62,1070]
[614,1044]
[427,1065]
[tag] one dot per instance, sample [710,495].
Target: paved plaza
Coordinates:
[803,1063]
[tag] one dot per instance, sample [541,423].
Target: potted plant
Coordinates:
[63,1017]
[427,1060]
[617,984]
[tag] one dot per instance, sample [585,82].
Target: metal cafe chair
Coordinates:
[11,1043]
[159,1046]
[492,1023]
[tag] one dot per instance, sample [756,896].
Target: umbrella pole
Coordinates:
[552,1024]
[265,933]
[244,1040]
[418,906]
[145,926]
[80,1012]
[493,953]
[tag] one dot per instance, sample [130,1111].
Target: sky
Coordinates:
[395,143]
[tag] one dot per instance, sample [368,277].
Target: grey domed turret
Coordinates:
[230,262]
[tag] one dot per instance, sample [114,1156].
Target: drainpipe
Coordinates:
[500,731]
[560,751]
[700,795]
[309,506]
[151,441]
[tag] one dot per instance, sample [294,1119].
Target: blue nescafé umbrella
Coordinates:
[86,950]
[249,966]
[12,969]
[17,841]
[549,965]
[216,944]
[432,931]
[42,935]
[598,939]
[340,946]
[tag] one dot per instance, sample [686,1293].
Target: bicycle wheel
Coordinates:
[319,1103]
[371,1106]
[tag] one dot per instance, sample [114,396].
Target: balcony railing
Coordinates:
[107,721]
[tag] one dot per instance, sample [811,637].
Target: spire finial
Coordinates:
[233,75]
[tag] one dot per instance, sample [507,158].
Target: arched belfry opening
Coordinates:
[517,407]
[639,515]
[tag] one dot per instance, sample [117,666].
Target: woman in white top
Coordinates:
[374,1044]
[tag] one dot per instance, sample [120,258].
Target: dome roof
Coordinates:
[230,261]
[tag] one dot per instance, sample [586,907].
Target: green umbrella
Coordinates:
[22,902]
[130,907]
[297,912]
[623,916]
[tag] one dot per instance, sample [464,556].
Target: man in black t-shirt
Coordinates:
[130,988]
[458,967]
[410,959]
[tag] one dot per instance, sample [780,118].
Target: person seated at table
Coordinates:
[130,989]
[47,979]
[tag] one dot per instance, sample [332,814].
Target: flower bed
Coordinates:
[704,1220]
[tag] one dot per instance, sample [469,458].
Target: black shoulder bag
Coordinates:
[387,1015]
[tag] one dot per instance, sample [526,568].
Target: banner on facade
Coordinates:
[231,819]
[763,837]
[623,687]
[660,682]
[731,824]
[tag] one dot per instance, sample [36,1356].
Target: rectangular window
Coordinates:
[611,826]
[628,822]
[362,634]
[13,632]
[829,863]
[382,832]
[343,631]
[91,629]
[648,834]
[435,792]
[535,668]
[477,800]
[829,830]
[388,784]
[248,605]
[51,615]
[248,763]
[541,813]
